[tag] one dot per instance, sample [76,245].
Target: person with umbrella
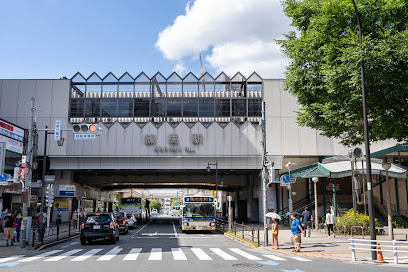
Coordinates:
[274,227]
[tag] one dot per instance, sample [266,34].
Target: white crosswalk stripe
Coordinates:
[46,254]
[133,254]
[245,254]
[275,258]
[201,255]
[63,255]
[7,259]
[300,259]
[155,254]
[85,256]
[178,254]
[112,253]
[223,254]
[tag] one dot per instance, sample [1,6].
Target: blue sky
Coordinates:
[55,38]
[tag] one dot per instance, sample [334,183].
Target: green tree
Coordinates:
[154,204]
[174,202]
[324,71]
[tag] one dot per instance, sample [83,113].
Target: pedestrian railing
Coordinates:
[241,230]
[357,227]
[52,233]
[396,247]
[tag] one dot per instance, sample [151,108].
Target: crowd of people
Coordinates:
[11,226]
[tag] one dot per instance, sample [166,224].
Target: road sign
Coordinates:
[3,177]
[67,190]
[79,198]
[285,178]
[4,183]
[57,130]
[49,179]
[84,136]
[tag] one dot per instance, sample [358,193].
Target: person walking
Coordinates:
[8,228]
[307,219]
[3,215]
[275,232]
[296,229]
[19,219]
[330,222]
[75,218]
[59,217]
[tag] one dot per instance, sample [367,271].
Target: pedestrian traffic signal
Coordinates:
[17,175]
[86,129]
[49,194]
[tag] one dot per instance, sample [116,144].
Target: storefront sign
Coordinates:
[67,190]
[63,205]
[10,131]
[12,145]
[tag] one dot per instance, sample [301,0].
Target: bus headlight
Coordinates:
[212,224]
[185,224]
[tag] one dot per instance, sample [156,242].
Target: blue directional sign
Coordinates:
[3,177]
[285,178]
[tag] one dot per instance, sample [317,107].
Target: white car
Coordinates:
[132,221]
[154,212]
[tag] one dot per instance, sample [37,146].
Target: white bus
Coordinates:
[198,213]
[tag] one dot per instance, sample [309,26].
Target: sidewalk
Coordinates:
[50,238]
[320,246]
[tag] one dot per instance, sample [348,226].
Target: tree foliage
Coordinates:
[175,202]
[154,204]
[324,72]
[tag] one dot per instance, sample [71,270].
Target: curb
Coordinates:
[38,248]
[239,239]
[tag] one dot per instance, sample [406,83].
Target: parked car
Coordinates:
[121,219]
[99,226]
[132,221]
[154,212]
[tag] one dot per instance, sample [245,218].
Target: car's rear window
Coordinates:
[119,215]
[129,216]
[98,218]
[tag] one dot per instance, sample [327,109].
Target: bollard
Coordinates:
[33,238]
[394,248]
[243,231]
[69,230]
[235,228]
[252,229]
[57,231]
[353,251]
[259,243]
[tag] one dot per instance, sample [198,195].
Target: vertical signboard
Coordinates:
[57,130]
[2,156]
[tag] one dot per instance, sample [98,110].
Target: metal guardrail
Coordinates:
[359,227]
[51,232]
[241,230]
[368,245]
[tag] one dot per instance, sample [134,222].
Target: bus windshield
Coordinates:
[198,210]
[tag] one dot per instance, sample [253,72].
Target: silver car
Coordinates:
[132,221]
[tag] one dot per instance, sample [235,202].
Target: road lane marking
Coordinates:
[3,260]
[178,254]
[155,254]
[175,231]
[201,255]
[245,254]
[275,258]
[133,254]
[112,253]
[63,255]
[300,259]
[86,255]
[46,254]
[141,229]
[223,254]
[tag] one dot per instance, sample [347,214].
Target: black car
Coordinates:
[99,226]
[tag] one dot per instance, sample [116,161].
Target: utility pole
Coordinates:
[41,219]
[28,179]
[264,175]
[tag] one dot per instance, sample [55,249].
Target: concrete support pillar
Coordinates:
[397,197]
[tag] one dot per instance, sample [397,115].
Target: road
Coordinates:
[160,246]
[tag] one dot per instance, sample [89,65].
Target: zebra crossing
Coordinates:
[151,254]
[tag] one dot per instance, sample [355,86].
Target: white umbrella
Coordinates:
[273,215]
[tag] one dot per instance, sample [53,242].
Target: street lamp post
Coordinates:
[216,183]
[367,144]
[315,180]
[387,166]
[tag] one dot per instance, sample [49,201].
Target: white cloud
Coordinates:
[240,33]
[179,68]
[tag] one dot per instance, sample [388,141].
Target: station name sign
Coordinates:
[173,141]
[198,199]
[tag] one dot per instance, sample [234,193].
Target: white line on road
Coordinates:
[201,255]
[155,254]
[300,259]
[178,254]
[63,255]
[86,255]
[3,260]
[246,255]
[223,254]
[141,228]
[112,253]
[175,231]
[40,256]
[133,254]
[275,258]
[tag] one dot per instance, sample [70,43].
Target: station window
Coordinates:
[254,107]
[92,107]
[142,107]
[174,107]
[239,107]
[206,107]
[109,107]
[190,107]
[77,108]
[158,107]
[222,108]
[125,107]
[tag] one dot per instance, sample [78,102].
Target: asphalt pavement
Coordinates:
[160,245]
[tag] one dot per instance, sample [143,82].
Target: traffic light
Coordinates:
[86,131]
[49,195]
[17,175]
